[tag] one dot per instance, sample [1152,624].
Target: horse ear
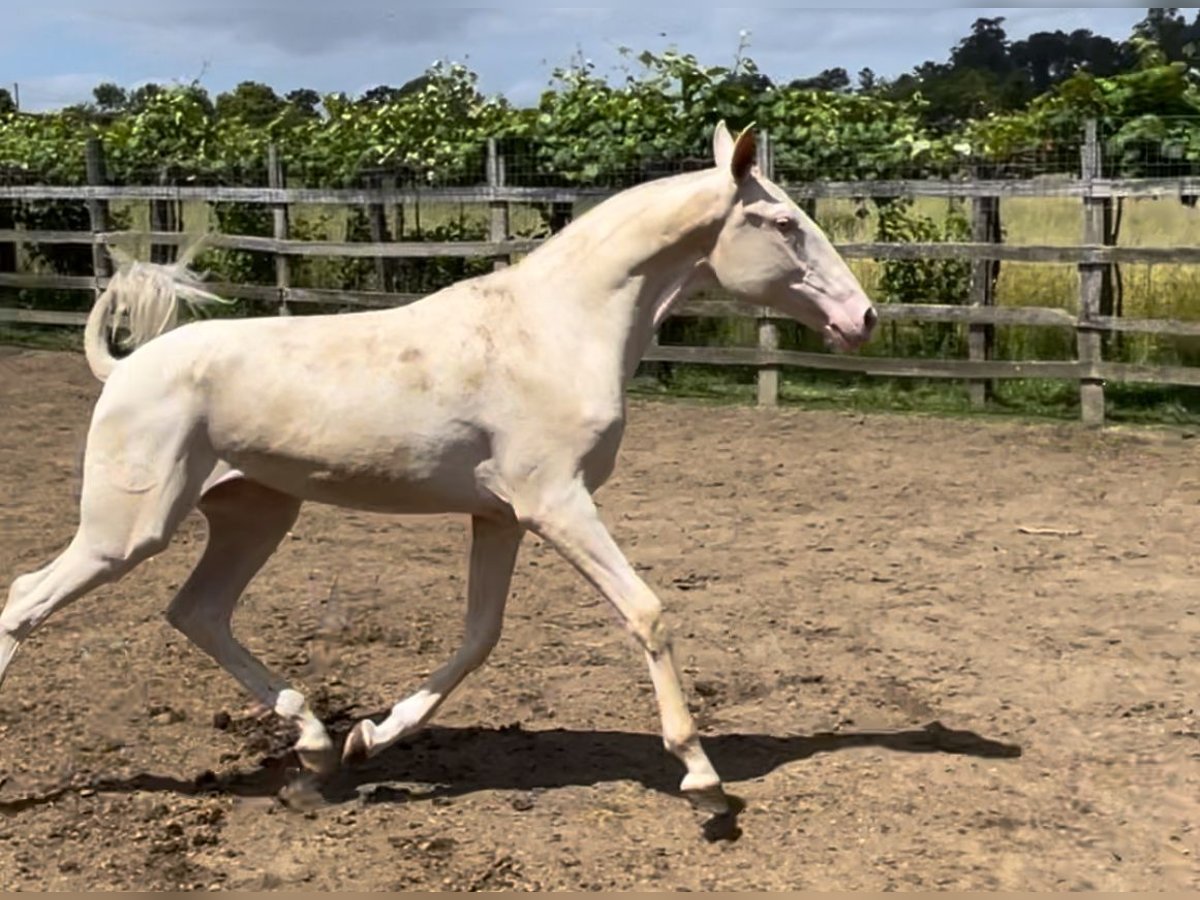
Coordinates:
[742,158]
[722,145]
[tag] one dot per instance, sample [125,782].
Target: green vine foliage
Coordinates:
[923,280]
[586,128]
[437,132]
[1148,120]
[926,280]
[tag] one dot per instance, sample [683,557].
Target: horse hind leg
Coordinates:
[33,597]
[118,529]
[246,522]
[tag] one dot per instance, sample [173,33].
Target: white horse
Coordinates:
[500,397]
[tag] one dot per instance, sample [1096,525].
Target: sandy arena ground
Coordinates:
[927,653]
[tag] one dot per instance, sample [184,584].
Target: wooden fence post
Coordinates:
[385,268]
[499,221]
[8,249]
[1091,283]
[985,228]
[768,331]
[1111,300]
[279,215]
[97,211]
[165,215]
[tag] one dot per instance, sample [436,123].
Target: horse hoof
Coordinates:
[357,748]
[712,799]
[722,810]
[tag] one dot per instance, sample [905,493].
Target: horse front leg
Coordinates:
[570,522]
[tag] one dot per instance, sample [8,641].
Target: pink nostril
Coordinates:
[870,317]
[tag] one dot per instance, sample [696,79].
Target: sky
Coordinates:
[58,50]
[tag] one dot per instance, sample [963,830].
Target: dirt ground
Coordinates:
[926,653]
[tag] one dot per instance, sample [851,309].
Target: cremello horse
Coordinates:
[501,397]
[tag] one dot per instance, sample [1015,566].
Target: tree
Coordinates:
[251,102]
[304,102]
[385,93]
[986,48]
[1048,58]
[110,98]
[836,79]
[7,104]
[381,94]
[1169,30]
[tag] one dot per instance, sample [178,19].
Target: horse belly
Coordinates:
[381,485]
[365,453]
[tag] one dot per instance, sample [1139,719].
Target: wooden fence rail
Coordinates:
[979,314]
[1077,254]
[822,190]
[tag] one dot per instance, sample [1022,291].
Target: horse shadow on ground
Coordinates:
[443,762]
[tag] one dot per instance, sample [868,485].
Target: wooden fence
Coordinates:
[979,314]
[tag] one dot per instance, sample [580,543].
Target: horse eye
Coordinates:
[786,224]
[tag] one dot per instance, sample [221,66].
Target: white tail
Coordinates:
[145,297]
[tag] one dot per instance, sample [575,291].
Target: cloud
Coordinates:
[341,46]
[291,27]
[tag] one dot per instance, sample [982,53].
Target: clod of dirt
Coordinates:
[167,716]
[693,581]
[301,793]
[522,803]
[439,847]
[382,793]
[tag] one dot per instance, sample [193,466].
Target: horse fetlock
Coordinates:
[686,747]
[316,753]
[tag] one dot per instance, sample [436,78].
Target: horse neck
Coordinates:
[618,270]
